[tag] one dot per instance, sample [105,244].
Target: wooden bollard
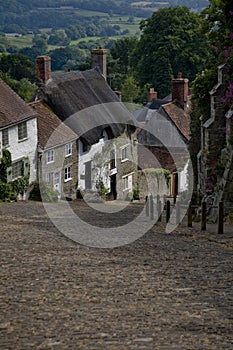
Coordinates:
[151,201]
[159,209]
[190,216]
[147,205]
[203,216]
[168,211]
[177,213]
[220,217]
[174,199]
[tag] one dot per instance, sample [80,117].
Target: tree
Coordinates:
[40,44]
[61,56]
[59,37]
[121,51]
[130,90]
[218,24]
[24,88]
[172,35]
[17,66]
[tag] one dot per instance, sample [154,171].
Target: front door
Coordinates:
[57,181]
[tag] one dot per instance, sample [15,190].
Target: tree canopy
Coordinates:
[171,35]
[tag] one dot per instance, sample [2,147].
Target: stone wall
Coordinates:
[153,183]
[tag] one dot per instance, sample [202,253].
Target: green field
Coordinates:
[20,42]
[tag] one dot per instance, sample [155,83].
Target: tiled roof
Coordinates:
[179,116]
[13,109]
[160,157]
[51,131]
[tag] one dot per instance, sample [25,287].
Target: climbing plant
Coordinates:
[10,190]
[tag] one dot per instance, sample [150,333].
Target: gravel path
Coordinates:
[163,291]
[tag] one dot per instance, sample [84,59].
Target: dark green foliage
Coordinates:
[5,191]
[5,162]
[171,35]
[17,66]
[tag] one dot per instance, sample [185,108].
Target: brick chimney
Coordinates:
[43,68]
[180,90]
[98,58]
[152,95]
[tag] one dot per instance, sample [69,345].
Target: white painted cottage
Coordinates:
[18,134]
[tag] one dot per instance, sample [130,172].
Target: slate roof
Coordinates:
[13,109]
[85,102]
[51,131]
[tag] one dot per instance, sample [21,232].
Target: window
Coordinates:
[125,183]
[68,173]
[68,149]
[48,177]
[124,153]
[22,131]
[84,147]
[112,160]
[50,156]
[5,138]
[17,169]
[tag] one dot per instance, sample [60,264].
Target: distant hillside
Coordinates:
[34,14]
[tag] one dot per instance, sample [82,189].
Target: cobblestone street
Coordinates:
[163,291]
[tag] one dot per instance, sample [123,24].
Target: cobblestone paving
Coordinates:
[164,291]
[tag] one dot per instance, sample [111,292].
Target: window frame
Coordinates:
[17,169]
[22,133]
[124,153]
[67,173]
[68,149]
[50,156]
[5,144]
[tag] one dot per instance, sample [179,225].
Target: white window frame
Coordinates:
[5,137]
[125,185]
[125,182]
[124,153]
[67,173]
[22,131]
[68,149]
[17,169]
[50,156]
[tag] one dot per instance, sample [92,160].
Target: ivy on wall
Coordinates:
[10,190]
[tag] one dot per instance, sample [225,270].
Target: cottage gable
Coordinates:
[18,134]
[13,109]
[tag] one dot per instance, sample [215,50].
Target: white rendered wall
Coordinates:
[26,148]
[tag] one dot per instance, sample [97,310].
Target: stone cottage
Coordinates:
[164,135]
[215,165]
[106,146]
[57,152]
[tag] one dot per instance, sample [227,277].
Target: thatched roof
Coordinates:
[86,103]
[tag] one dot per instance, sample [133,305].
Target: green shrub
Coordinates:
[5,191]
